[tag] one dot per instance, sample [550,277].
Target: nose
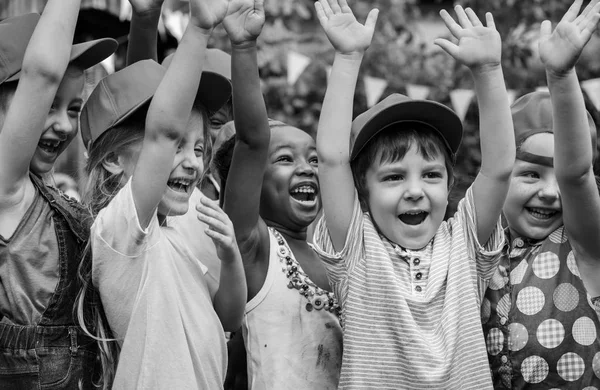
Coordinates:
[549,191]
[414,191]
[305,168]
[63,124]
[191,161]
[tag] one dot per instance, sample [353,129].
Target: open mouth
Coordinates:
[413,217]
[305,194]
[541,213]
[50,147]
[180,185]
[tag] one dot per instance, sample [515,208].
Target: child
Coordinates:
[540,312]
[408,281]
[144,163]
[42,232]
[291,329]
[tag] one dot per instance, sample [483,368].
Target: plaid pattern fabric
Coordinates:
[534,369]
[566,297]
[584,331]
[550,333]
[546,265]
[495,341]
[530,300]
[570,366]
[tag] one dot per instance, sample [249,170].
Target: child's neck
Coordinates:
[293,234]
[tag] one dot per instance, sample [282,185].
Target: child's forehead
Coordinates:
[290,137]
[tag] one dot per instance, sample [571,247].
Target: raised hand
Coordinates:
[142,7]
[220,229]
[560,50]
[244,20]
[344,32]
[478,45]
[206,14]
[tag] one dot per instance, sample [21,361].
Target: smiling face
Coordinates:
[187,169]
[408,197]
[61,124]
[290,190]
[533,206]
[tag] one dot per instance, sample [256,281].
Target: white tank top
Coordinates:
[291,328]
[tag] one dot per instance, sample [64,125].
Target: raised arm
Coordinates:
[243,23]
[46,59]
[350,40]
[170,108]
[573,157]
[143,30]
[479,48]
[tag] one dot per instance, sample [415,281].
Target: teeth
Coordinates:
[50,144]
[304,189]
[416,212]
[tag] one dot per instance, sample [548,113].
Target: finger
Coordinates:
[452,26]
[218,238]
[447,46]
[545,29]
[345,7]
[326,8]
[214,224]
[589,17]
[259,7]
[320,13]
[473,17]
[592,25]
[573,11]
[462,17]
[335,7]
[372,19]
[584,14]
[210,210]
[489,20]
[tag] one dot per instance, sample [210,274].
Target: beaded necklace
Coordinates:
[317,298]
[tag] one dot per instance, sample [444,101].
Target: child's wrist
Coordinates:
[244,45]
[194,26]
[560,73]
[352,56]
[484,69]
[146,19]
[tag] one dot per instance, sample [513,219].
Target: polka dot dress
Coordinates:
[541,327]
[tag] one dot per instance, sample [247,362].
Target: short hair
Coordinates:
[391,145]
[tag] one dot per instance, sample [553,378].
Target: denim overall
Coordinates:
[54,353]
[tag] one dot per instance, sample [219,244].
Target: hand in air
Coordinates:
[142,7]
[344,32]
[206,14]
[478,45]
[560,49]
[244,20]
[220,229]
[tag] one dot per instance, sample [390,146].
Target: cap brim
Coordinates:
[433,114]
[214,91]
[87,54]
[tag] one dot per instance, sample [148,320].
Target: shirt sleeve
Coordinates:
[340,264]
[117,226]
[488,254]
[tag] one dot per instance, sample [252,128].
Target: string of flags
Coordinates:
[460,98]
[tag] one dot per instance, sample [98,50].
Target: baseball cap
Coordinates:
[117,97]
[15,34]
[215,88]
[396,109]
[532,114]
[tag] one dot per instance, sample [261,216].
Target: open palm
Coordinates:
[207,14]
[560,49]
[244,20]
[344,32]
[478,45]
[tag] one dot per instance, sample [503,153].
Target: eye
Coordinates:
[199,151]
[74,111]
[283,159]
[393,177]
[433,175]
[313,160]
[214,123]
[530,175]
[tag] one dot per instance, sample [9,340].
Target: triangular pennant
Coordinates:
[461,98]
[418,92]
[374,87]
[296,63]
[592,89]
[512,95]
[176,22]
[125,10]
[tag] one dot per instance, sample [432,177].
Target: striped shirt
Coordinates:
[411,317]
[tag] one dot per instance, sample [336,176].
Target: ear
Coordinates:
[114,163]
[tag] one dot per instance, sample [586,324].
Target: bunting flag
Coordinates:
[418,92]
[176,22]
[461,98]
[296,64]
[592,89]
[125,11]
[374,87]
[512,95]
